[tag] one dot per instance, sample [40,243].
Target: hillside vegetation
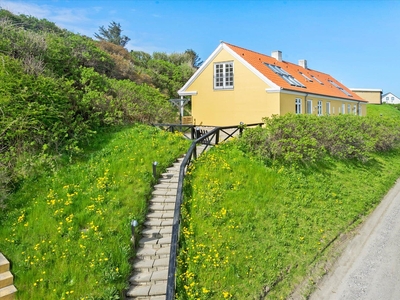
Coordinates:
[67,233]
[57,89]
[263,213]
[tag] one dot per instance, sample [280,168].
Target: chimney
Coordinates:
[277,55]
[303,63]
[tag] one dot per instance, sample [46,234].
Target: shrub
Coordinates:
[304,138]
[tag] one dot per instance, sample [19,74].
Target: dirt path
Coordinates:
[369,267]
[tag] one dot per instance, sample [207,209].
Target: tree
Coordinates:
[112,34]
[194,57]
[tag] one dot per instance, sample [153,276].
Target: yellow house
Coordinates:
[238,85]
[373,96]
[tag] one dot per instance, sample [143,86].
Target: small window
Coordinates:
[387,98]
[392,98]
[316,79]
[348,108]
[223,75]
[306,77]
[343,108]
[355,109]
[319,108]
[309,107]
[298,106]
[328,108]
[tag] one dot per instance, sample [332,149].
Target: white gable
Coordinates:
[184,92]
[390,98]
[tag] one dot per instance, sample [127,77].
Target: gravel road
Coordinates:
[369,267]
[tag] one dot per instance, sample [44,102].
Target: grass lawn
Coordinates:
[252,231]
[67,234]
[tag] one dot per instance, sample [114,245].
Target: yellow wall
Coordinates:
[373,97]
[288,104]
[248,102]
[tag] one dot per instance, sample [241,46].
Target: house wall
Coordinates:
[287,104]
[248,102]
[372,96]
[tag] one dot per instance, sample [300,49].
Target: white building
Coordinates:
[390,98]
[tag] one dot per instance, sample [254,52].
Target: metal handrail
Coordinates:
[190,156]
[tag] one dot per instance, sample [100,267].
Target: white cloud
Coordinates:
[74,19]
[39,11]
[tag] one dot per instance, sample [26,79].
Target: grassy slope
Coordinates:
[67,234]
[254,231]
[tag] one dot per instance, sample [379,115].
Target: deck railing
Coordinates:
[199,135]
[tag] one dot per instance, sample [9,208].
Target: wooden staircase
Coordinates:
[7,288]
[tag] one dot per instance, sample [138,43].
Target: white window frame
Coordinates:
[309,107]
[348,108]
[343,108]
[223,75]
[328,108]
[319,108]
[355,109]
[297,107]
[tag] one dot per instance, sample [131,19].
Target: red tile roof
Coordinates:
[258,60]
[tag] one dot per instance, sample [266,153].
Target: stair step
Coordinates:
[160,215]
[162,192]
[158,222]
[155,243]
[6,279]
[4,264]
[157,232]
[166,185]
[163,199]
[150,265]
[151,290]
[8,292]
[166,207]
[151,277]
[151,253]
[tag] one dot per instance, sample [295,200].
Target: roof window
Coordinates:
[317,80]
[285,75]
[340,88]
[306,77]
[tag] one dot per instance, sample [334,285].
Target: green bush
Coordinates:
[305,138]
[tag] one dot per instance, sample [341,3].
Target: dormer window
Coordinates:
[223,75]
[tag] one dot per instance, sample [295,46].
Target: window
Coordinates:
[316,79]
[306,77]
[355,109]
[328,108]
[348,108]
[387,98]
[223,75]
[319,108]
[343,108]
[392,98]
[285,75]
[309,107]
[340,88]
[298,106]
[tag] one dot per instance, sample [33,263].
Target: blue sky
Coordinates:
[357,42]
